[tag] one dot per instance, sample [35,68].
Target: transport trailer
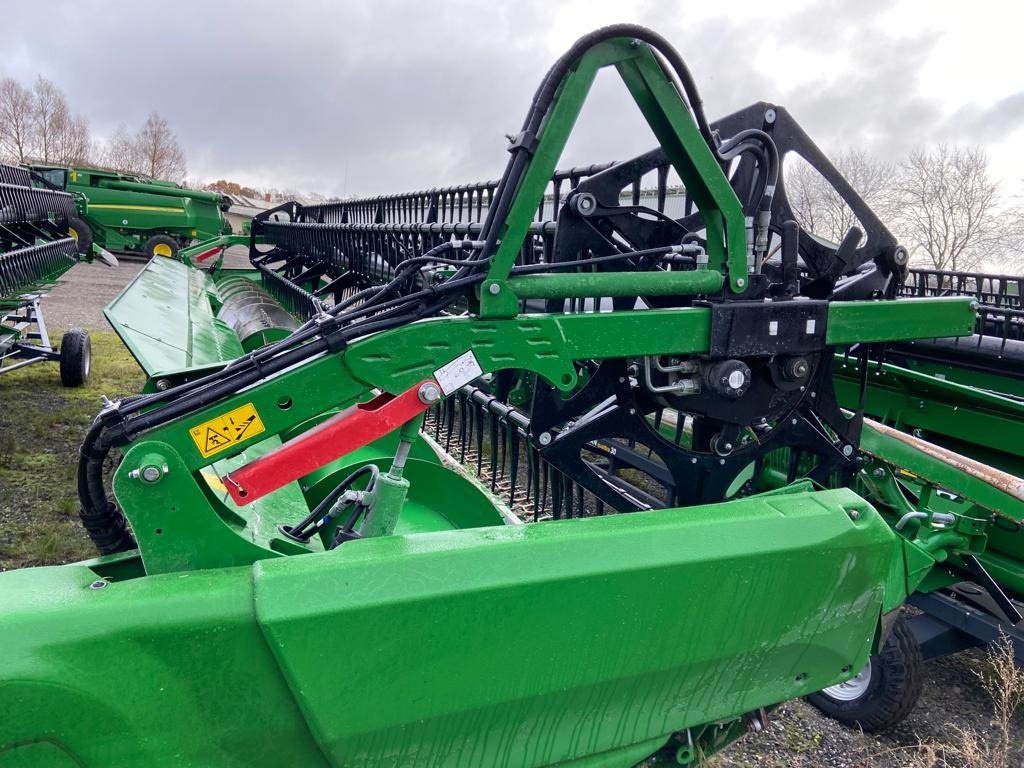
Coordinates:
[35,251]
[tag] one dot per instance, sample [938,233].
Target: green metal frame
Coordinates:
[674,127]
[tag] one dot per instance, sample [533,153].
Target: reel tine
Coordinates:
[513,437]
[463,425]
[478,414]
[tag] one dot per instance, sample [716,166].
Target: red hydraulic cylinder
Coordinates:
[339,435]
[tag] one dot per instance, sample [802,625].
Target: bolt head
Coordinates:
[429,392]
[853,513]
[162,385]
[740,282]
[544,438]
[769,116]
[847,450]
[494,289]
[98,584]
[150,473]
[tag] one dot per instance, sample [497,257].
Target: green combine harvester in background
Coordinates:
[123,213]
[521,473]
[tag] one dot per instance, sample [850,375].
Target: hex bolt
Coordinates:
[853,513]
[847,450]
[162,385]
[544,438]
[98,584]
[878,472]
[150,473]
[429,392]
[770,115]
[740,282]
[494,289]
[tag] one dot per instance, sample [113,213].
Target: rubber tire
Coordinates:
[156,240]
[892,692]
[84,232]
[75,358]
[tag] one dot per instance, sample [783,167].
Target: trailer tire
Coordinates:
[75,358]
[82,233]
[161,245]
[884,692]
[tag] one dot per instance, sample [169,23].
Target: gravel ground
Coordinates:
[797,735]
[87,288]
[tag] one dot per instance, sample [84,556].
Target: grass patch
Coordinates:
[41,428]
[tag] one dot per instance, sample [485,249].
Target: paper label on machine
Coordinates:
[460,371]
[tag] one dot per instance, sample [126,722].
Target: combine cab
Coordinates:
[128,214]
[520,473]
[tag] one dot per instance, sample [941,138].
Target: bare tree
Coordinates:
[119,153]
[158,152]
[50,115]
[820,209]
[15,120]
[73,145]
[949,208]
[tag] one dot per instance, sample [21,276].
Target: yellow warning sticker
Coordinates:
[233,427]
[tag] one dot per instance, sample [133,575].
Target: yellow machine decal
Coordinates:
[233,427]
[136,208]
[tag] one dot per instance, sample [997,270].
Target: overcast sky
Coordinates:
[362,97]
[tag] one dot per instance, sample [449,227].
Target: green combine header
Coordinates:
[518,473]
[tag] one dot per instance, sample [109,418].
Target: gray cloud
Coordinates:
[368,97]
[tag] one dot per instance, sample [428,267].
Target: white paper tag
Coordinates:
[462,370]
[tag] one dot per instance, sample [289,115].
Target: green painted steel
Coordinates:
[166,319]
[523,645]
[674,126]
[852,322]
[983,425]
[124,211]
[584,285]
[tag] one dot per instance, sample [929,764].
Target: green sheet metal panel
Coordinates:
[534,645]
[165,319]
[515,645]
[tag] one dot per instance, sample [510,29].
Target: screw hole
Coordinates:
[567,378]
[801,677]
[159,531]
[284,403]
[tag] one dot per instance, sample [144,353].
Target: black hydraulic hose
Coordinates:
[308,330]
[510,180]
[282,354]
[296,531]
[545,96]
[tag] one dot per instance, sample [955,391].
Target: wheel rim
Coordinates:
[162,249]
[853,688]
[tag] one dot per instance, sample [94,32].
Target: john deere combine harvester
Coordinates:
[310,559]
[35,250]
[130,214]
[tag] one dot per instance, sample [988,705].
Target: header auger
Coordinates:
[307,576]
